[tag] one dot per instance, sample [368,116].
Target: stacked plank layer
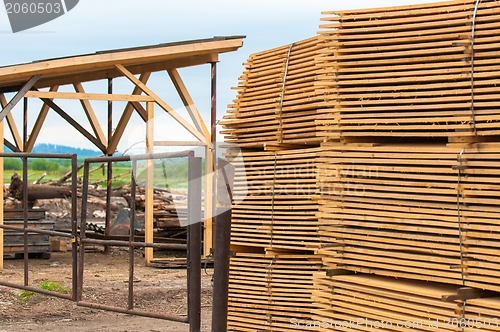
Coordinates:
[276,199]
[277,101]
[373,303]
[392,210]
[410,72]
[482,315]
[270,293]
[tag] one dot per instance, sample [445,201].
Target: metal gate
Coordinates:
[80,240]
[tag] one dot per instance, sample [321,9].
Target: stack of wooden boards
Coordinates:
[370,303]
[277,199]
[392,210]
[277,99]
[407,148]
[267,292]
[411,72]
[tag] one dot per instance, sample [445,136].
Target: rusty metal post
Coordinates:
[83,226]
[132,238]
[74,225]
[222,241]
[109,188]
[25,218]
[194,244]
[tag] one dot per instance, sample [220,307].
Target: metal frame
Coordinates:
[194,240]
[25,229]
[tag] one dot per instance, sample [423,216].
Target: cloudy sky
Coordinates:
[95,25]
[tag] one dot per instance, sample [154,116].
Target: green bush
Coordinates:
[12,164]
[43,165]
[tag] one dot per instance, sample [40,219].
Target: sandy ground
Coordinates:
[105,282]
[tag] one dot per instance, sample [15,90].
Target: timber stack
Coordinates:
[406,161]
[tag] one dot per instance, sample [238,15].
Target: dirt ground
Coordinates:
[105,282]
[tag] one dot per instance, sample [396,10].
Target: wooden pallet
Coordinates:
[268,292]
[392,210]
[371,303]
[275,197]
[277,101]
[407,71]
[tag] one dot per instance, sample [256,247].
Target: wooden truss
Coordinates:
[33,79]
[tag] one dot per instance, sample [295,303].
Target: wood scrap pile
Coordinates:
[268,291]
[426,70]
[277,100]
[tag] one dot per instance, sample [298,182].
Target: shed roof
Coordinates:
[101,65]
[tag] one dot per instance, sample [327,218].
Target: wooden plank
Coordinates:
[126,114]
[148,252]
[89,111]
[35,131]
[87,96]
[12,124]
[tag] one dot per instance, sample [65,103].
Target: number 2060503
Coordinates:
[33,8]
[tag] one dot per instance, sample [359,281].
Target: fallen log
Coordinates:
[37,191]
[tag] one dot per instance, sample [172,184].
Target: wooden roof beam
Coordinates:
[89,111]
[12,123]
[200,136]
[42,115]
[20,94]
[86,96]
[126,114]
[188,102]
[75,124]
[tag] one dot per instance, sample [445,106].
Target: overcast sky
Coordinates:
[95,25]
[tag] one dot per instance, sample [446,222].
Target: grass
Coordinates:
[49,285]
[170,174]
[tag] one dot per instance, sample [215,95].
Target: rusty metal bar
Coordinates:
[109,180]
[36,231]
[132,237]
[25,219]
[222,239]
[133,312]
[36,155]
[83,226]
[37,290]
[117,243]
[164,155]
[74,226]
[194,243]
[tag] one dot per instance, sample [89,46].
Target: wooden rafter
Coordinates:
[12,124]
[19,95]
[74,123]
[127,113]
[200,136]
[89,111]
[100,65]
[42,115]
[86,96]
[188,102]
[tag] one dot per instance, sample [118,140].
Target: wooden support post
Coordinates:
[149,181]
[1,199]
[209,200]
